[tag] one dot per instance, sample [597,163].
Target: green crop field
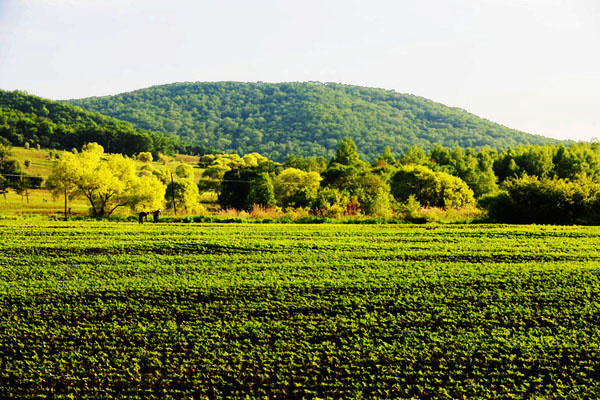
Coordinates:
[117,310]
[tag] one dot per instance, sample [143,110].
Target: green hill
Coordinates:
[305,119]
[30,119]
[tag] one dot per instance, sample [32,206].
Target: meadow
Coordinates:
[100,309]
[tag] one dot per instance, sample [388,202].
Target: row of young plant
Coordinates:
[98,310]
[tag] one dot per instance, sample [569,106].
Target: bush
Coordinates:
[541,200]
[331,202]
[144,156]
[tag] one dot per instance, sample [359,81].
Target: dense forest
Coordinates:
[303,119]
[30,119]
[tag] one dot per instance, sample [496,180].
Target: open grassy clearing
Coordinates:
[39,201]
[99,309]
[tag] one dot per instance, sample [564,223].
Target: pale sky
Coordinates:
[532,65]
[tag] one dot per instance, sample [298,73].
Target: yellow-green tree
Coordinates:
[186,195]
[61,181]
[145,156]
[213,174]
[291,183]
[431,189]
[107,181]
[184,171]
[147,194]
[221,164]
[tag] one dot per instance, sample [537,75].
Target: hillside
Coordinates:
[305,119]
[30,119]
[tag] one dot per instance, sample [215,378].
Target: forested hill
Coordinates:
[30,119]
[305,119]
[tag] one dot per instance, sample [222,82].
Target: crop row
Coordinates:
[275,311]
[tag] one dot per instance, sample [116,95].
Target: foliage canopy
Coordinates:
[303,119]
[107,181]
[30,120]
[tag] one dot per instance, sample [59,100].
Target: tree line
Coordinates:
[544,184]
[524,184]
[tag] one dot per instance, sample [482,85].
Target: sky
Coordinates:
[532,65]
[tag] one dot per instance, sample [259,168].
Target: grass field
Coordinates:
[117,310]
[39,201]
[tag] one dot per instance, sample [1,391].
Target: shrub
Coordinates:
[144,156]
[541,200]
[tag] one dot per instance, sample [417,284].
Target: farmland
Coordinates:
[98,309]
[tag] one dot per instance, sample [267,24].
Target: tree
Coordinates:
[331,201]
[185,171]
[107,181]
[234,188]
[214,173]
[317,164]
[146,194]
[530,160]
[346,152]
[30,121]
[187,196]
[3,186]
[261,192]
[414,155]
[381,205]
[292,185]
[61,181]
[240,191]
[434,189]
[145,156]
[5,149]
[253,159]
[476,169]
[530,199]
[386,158]
[373,195]
[345,168]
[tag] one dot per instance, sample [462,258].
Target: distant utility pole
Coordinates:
[173,195]
[66,205]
